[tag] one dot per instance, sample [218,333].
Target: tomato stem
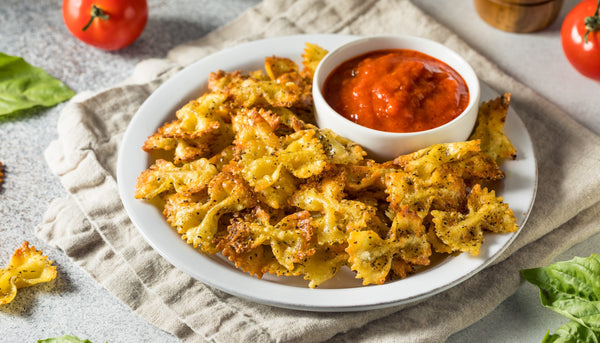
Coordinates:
[592,23]
[97,12]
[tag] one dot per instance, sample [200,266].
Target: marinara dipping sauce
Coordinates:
[396,90]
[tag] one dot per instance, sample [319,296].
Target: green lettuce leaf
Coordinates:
[571,288]
[23,86]
[64,339]
[572,332]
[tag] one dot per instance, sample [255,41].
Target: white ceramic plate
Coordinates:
[344,292]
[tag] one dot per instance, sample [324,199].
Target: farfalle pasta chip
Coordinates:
[464,231]
[488,129]
[164,176]
[372,256]
[27,267]
[311,57]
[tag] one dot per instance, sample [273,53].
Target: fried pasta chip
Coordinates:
[465,159]
[26,267]
[372,256]
[291,121]
[323,198]
[340,150]
[1,174]
[200,117]
[256,144]
[201,128]
[164,176]
[198,221]
[246,90]
[272,165]
[489,129]
[434,177]
[278,194]
[319,267]
[425,160]
[460,232]
[464,232]
[244,171]
[498,217]
[367,174]
[441,189]
[303,154]
[289,240]
[279,66]
[313,54]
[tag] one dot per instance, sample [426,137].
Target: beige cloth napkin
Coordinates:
[92,228]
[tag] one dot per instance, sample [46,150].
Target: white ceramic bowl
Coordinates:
[383,145]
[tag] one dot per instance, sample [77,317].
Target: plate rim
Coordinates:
[274,289]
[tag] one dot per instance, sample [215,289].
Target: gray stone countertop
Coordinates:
[74,303]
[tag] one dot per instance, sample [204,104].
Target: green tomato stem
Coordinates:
[592,23]
[97,12]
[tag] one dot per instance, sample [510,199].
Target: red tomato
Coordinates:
[583,51]
[106,24]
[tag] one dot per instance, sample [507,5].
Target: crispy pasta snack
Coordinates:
[27,267]
[488,129]
[243,171]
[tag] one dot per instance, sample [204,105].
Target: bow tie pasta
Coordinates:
[244,171]
[27,267]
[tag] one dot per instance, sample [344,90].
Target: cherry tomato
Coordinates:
[580,37]
[106,24]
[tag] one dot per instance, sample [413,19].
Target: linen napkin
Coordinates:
[90,225]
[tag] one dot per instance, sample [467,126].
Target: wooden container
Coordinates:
[518,15]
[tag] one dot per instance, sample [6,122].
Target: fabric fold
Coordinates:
[93,229]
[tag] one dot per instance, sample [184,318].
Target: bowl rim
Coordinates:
[318,75]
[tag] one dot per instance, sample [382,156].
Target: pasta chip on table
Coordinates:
[244,171]
[27,267]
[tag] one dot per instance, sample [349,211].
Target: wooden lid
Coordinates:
[518,15]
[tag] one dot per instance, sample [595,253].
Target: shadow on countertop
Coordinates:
[163,34]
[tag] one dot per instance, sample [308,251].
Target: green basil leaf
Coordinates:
[572,332]
[23,86]
[571,288]
[64,339]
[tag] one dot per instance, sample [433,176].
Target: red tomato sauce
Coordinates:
[396,90]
